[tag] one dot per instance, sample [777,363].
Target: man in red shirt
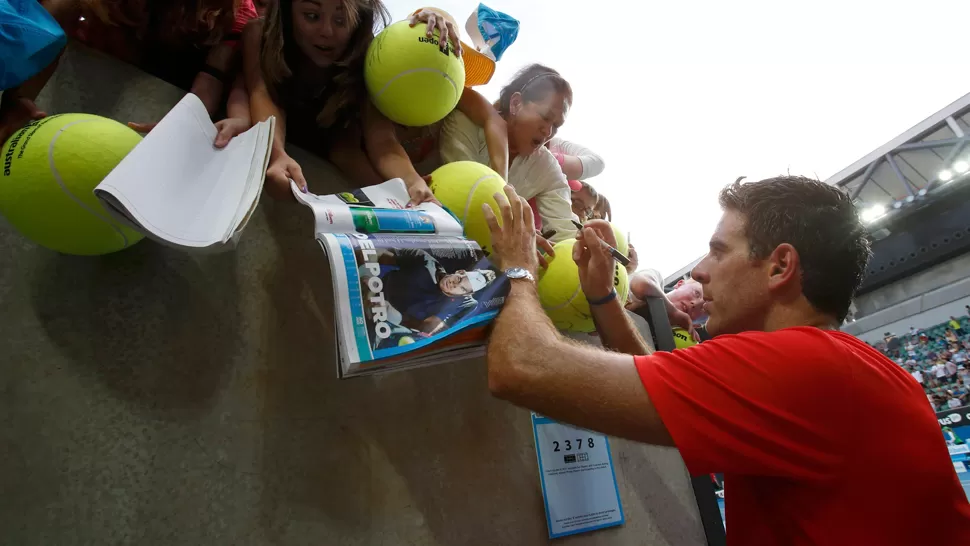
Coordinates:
[822,439]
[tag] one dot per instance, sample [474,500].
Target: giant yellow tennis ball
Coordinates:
[463,186]
[562,296]
[50,169]
[682,338]
[621,243]
[410,79]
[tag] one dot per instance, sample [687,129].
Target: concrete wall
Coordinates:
[922,319]
[939,276]
[921,300]
[153,397]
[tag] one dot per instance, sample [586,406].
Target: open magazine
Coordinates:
[409,289]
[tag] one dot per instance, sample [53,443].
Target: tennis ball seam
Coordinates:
[63,186]
[566,303]
[471,195]
[412,71]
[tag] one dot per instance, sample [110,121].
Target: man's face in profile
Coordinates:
[735,285]
[456,284]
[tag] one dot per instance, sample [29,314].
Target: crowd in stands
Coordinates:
[938,358]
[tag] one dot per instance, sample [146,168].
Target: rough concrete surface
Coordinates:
[154,397]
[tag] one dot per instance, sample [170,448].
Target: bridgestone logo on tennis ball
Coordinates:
[425,39]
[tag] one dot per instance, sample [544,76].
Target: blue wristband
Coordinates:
[606,299]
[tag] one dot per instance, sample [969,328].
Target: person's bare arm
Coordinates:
[237,119]
[282,168]
[531,365]
[616,330]
[596,273]
[389,158]
[261,103]
[483,114]
[208,87]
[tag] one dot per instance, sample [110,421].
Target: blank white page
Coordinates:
[177,185]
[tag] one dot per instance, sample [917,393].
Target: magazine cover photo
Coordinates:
[415,290]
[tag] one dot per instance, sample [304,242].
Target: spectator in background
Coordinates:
[956,326]
[953,402]
[577,162]
[950,335]
[917,375]
[584,199]
[951,372]
[939,372]
[602,209]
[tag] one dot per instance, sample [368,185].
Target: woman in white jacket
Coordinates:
[534,105]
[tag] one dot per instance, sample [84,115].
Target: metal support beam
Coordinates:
[954,126]
[957,148]
[899,174]
[942,143]
[865,178]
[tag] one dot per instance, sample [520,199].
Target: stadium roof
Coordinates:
[907,169]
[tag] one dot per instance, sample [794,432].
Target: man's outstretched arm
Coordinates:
[531,365]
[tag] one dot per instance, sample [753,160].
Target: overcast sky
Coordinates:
[682,98]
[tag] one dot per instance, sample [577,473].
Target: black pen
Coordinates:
[614,252]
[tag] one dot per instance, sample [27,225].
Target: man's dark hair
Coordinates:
[817,219]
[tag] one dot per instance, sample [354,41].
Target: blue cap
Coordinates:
[497,30]
[30,40]
[491,33]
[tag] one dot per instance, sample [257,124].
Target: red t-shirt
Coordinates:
[821,439]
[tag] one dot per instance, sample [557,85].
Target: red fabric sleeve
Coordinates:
[771,404]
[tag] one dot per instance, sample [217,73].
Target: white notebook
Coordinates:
[176,187]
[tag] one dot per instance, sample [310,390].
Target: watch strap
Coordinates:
[605,299]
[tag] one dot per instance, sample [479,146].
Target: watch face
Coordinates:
[518,273]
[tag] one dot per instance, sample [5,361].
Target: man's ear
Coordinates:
[784,267]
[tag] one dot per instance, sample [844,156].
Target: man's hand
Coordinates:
[229,128]
[595,262]
[16,112]
[281,170]
[514,240]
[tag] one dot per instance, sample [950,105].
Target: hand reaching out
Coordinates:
[15,113]
[142,127]
[281,169]
[446,29]
[419,192]
[229,128]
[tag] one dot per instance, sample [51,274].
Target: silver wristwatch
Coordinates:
[519,273]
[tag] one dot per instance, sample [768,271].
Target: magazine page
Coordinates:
[377,209]
[397,294]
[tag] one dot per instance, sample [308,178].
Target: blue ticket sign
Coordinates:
[578,482]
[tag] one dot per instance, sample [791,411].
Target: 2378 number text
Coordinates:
[569,444]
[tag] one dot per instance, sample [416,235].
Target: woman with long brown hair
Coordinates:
[304,65]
